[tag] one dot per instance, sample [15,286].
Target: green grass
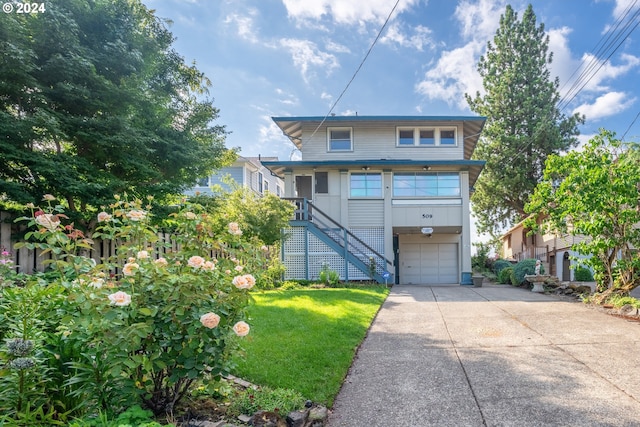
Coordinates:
[305,339]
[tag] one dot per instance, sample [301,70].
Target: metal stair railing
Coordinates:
[367,259]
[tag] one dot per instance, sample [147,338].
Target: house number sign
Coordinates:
[427,216]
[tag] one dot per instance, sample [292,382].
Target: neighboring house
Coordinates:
[553,250]
[245,171]
[381,197]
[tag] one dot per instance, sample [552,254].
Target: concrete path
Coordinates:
[491,356]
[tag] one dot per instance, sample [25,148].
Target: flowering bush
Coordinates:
[156,313]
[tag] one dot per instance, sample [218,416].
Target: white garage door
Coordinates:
[429,263]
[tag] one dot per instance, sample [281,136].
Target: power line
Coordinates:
[592,68]
[354,75]
[629,128]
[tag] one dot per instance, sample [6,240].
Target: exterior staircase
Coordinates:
[352,249]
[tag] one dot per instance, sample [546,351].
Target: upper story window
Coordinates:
[203,182]
[426,184]
[339,139]
[260,183]
[426,136]
[366,185]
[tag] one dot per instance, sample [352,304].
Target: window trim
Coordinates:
[434,174]
[437,132]
[339,128]
[379,174]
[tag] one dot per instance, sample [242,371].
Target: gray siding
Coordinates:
[378,141]
[366,213]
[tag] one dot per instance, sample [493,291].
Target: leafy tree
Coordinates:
[523,124]
[261,216]
[95,102]
[594,193]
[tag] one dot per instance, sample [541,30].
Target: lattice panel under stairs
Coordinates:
[296,261]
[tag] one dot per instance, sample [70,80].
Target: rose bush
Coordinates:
[155,313]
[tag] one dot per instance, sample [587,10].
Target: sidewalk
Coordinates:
[491,356]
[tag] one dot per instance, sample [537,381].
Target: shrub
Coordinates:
[328,277]
[499,265]
[147,321]
[523,268]
[582,274]
[504,277]
[618,301]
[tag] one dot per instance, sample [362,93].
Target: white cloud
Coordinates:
[337,47]
[305,55]
[420,38]
[349,12]
[621,8]
[244,24]
[606,105]
[270,139]
[596,74]
[479,19]
[454,75]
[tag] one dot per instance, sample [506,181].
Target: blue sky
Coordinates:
[295,57]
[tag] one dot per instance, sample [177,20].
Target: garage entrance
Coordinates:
[429,263]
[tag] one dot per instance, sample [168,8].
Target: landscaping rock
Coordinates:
[628,310]
[267,419]
[318,413]
[297,418]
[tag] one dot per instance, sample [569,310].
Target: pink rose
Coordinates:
[49,221]
[161,262]
[130,268]
[195,261]
[244,282]
[120,299]
[210,320]
[103,216]
[142,255]
[209,266]
[234,229]
[241,328]
[136,215]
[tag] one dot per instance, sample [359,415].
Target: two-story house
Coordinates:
[382,197]
[552,249]
[246,172]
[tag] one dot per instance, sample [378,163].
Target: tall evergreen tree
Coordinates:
[94,101]
[524,124]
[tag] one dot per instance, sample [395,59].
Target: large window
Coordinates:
[425,137]
[366,185]
[426,184]
[339,139]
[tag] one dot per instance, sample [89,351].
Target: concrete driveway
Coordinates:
[491,356]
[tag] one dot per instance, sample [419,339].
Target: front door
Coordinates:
[304,189]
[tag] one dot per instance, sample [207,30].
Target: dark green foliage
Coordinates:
[499,265]
[583,275]
[504,277]
[523,268]
[96,102]
[524,124]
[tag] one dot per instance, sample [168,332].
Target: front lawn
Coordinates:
[305,339]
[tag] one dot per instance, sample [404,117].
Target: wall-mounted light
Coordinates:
[426,168]
[365,168]
[426,230]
